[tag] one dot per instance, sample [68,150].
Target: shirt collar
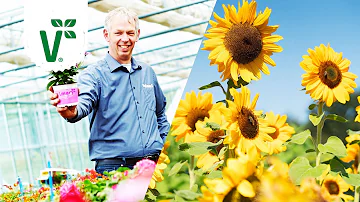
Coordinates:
[114,64]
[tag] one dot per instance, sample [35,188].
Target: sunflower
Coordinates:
[282,134]
[189,111]
[327,78]
[247,129]
[212,129]
[352,151]
[236,184]
[160,166]
[357,118]
[333,188]
[241,42]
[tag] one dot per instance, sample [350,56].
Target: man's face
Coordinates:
[121,37]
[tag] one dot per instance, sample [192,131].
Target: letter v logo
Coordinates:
[51,57]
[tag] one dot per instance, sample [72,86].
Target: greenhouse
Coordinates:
[31,130]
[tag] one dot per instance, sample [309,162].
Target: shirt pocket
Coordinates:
[150,101]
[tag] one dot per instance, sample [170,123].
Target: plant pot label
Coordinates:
[67,94]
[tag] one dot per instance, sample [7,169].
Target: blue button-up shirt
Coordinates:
[126,109]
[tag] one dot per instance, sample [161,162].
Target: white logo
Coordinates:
[55,32]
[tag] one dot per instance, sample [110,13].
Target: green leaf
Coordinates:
[195,188]
[315,119]
[326,157]
[300,169]
[240,83]
[70,22]
[353,179]
[222,152]
[197,148]
[51,83]
[214,174]
[187,194]
[335,117]
[337,167]
[178,199]
[56,22]
[310,150]
[334,146]
[355,142]
[312,106]
[214,126]
[70,35]
[176,168]
[301,137]
[210,85]
[351,132]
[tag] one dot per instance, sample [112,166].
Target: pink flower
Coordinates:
[134,188]
[70,193]
[145,167]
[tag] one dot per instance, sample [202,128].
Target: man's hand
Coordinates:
[66,112]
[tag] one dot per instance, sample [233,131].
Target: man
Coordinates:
[123,99]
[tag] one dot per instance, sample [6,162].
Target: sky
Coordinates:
[303,25]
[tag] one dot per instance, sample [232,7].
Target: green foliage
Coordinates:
[62,77]
[315,119]
[334,146]
[301,137]
[301,169]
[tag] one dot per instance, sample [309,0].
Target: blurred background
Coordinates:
[31,131]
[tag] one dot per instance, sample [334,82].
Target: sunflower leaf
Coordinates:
[337,167]
[300,169]
[214,174]
[214,126]
[301,137]
[315,119]
[334,146]
[176,168]
[222,152]
[312,106]
[355,142]
[352,179]
[187,194]
[211,85]
[335,117]
[351,132]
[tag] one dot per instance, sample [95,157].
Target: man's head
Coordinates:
[121,32]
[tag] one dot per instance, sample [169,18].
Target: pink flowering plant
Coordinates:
[120,185]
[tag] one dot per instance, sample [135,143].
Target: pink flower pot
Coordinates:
[68,94]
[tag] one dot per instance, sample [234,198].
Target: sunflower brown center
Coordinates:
[194,116]
[275,135]
[216,136]
[332,187]
[244,43]
[330,74]
[248,123]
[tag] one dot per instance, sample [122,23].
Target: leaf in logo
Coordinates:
[70,35]
[56,22]
[70,22]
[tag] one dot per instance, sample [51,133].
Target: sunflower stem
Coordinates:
[319,128]
[191,171]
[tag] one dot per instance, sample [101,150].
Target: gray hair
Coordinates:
[122,11]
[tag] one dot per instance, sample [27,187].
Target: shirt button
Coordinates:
[137,102]
[140,116]
[133,87]
[143,131]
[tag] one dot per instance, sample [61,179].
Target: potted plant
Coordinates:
[64,84]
